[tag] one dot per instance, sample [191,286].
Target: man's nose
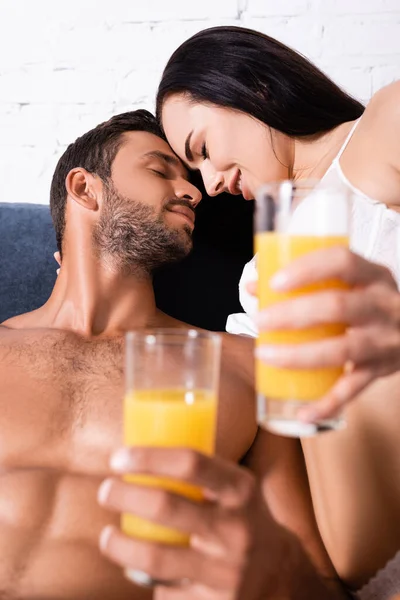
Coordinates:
[188,191]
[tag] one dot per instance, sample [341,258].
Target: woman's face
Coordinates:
[234,152]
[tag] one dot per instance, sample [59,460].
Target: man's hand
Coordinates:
[370,308]
[237,551]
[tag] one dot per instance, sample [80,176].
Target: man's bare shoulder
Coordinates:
[13,329]
[238,343]
[237,425]
[238,356]
[24,321]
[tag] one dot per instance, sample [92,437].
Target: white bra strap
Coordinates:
[343,148]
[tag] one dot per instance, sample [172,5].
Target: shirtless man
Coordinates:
[122,205]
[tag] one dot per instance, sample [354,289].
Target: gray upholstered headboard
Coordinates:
[27,266]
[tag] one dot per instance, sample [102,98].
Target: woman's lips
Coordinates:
[246,193]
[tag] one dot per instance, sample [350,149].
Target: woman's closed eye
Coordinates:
[204,151]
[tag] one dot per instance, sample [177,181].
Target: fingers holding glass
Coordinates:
[371,344]
[171,400]
[163,563]
[221,529]
[294,222]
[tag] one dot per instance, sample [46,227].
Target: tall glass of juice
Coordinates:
[172,378]
[291,220]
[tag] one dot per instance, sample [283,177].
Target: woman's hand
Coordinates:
[235,543]
[371,309]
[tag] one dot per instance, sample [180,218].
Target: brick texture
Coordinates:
[66,66]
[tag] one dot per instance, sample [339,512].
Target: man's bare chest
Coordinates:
[62,401]
[81,373]
[49,514]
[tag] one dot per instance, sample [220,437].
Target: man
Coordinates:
[122,206]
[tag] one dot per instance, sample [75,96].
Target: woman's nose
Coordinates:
[214,181]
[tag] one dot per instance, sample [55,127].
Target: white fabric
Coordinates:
[385,585]
[375,235]
[243,323]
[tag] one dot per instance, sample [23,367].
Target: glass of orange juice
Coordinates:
[172,378]
[293,219]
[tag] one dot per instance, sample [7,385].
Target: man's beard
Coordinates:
[134,238]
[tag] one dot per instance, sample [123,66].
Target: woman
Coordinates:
[244,110]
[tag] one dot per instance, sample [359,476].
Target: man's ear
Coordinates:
[80,185]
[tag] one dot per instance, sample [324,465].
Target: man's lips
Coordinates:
[184,211]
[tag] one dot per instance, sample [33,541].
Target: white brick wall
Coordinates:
[67,65]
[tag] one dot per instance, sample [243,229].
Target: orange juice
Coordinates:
[275,251]
[167,418]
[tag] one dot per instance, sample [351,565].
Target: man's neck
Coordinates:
[95,299]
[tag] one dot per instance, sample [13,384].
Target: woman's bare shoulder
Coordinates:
[388,96]
[381,123]
[383,110]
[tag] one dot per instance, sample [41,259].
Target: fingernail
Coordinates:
[279,281]
[104,491]
[263,319]
[121,460]
[267,352]
[105,536]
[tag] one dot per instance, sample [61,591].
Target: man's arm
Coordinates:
[278,462]
[297,578]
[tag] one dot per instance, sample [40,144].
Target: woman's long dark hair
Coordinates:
[251,72]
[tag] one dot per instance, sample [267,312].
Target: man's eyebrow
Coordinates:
[174,161]
[168,158]
[188,152]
